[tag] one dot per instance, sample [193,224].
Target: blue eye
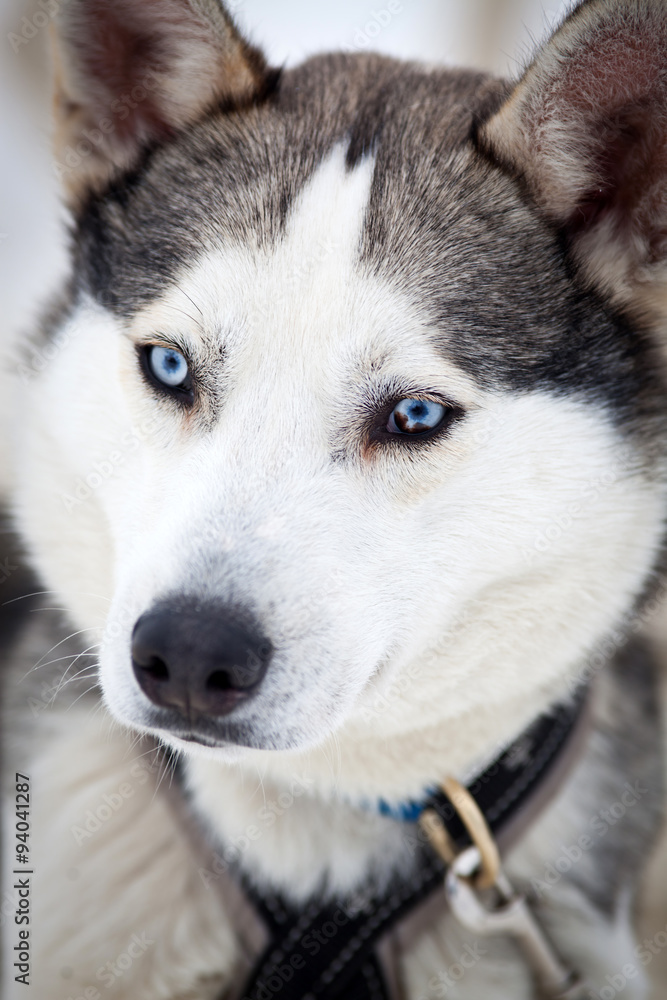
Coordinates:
[416,416]
[169,367]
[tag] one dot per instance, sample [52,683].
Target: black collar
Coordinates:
[326,951]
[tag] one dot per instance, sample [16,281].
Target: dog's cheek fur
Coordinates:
[58,491]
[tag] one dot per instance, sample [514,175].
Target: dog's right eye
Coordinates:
[416,416]
[168,369]
[168,366]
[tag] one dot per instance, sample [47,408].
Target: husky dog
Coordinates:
[347,465]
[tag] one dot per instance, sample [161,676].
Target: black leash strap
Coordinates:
[326,951]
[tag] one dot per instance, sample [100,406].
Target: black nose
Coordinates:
[201,659]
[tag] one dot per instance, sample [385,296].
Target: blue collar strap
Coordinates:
[405,812]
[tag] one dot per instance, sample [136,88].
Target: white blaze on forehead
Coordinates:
[320,243]
[328,214]
[305,286]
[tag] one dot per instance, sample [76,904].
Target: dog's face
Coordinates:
[338,405]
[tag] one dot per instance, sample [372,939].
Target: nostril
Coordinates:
[219,681]
[237,677]
[157,668]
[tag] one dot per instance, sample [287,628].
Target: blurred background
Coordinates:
[495,35]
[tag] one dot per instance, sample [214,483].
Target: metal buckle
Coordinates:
[478,868]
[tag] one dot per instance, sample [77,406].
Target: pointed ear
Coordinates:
[130,73]
[586,131]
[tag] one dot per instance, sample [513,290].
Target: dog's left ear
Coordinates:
[585,131]
[132,73]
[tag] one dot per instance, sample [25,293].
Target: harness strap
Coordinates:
[327,946]
[327,951]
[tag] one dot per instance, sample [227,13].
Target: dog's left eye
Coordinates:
[416,416]
[169,367]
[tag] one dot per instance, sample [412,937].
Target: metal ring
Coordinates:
[436,832]
[473,819]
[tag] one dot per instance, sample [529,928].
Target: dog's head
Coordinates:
[354,393]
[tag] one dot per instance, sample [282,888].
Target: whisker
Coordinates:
[53,593]
[190,299]
[66,680]
[82,695]
[73,635]
[77,676]
[59,659]
[172,764]
[81,675]
[26,597]
[161,777]
[134,743]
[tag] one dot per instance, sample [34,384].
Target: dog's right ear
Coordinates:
[131,73]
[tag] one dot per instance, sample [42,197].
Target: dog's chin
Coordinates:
[227,751]
[223,739]
[223,753]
